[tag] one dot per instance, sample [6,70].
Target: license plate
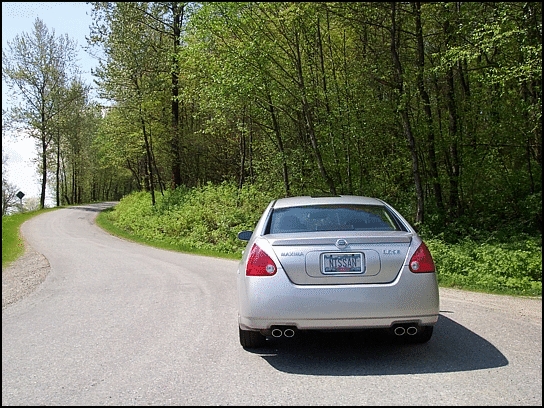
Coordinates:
[342,263]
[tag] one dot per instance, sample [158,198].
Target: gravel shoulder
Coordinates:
[23,276]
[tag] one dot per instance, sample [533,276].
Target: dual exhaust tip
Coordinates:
[410,330]
[402,330]
[285,332]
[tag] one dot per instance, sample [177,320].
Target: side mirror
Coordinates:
[245,235]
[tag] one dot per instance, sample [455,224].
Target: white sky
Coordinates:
[72,18]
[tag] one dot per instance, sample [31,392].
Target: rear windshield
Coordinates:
[333,218]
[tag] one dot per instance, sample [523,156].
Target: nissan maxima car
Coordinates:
[334,263]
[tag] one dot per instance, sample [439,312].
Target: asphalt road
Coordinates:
[118,323]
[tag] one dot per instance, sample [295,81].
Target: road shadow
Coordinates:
[452,348]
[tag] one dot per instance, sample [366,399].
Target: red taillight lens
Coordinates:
[259,263]
[422,261]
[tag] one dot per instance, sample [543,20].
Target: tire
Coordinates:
[251,339]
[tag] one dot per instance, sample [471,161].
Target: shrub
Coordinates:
[208,218]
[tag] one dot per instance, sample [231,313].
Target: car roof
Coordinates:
[311,200]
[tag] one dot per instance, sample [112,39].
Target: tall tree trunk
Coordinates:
[452,157]
[149,160]
[403,112]
[532,95]
[242,147]
[57,174]
[44,143]
[177,12]
[277,133]
[74,186]
[64,187]
[437,188]
[329,114]
[309,120]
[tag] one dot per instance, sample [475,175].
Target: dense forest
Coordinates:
[433,107]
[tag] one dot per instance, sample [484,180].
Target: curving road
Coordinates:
[118,323]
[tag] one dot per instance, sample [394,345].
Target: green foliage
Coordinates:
[202,218]
[12,243]
[305,96]
[508,268]
[208,218]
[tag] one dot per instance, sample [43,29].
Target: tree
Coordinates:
[9,191]
[38,66]
[434,107]
[156,29]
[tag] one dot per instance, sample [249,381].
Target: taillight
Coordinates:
[259,263]
[422,261]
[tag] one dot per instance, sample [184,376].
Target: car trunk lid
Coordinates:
[333,258]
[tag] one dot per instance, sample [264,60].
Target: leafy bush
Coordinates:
[208,218]
[514,267]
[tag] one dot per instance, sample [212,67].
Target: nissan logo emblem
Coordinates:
[341,243]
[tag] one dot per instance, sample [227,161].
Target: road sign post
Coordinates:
[20,194]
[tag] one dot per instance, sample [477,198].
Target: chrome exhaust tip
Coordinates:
[411,330]
[288,332]
[399,330]
[277,333]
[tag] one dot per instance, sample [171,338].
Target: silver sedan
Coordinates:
[334,263]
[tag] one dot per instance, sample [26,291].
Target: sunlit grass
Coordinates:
[104,222]
[12,242]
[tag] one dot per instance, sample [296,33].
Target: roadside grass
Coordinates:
[104,222]
[13,245]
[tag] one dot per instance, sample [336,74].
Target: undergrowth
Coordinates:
[208,219]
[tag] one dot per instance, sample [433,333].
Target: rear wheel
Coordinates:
[251,339]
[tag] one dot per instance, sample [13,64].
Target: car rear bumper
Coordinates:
[329,324]
[275,301]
